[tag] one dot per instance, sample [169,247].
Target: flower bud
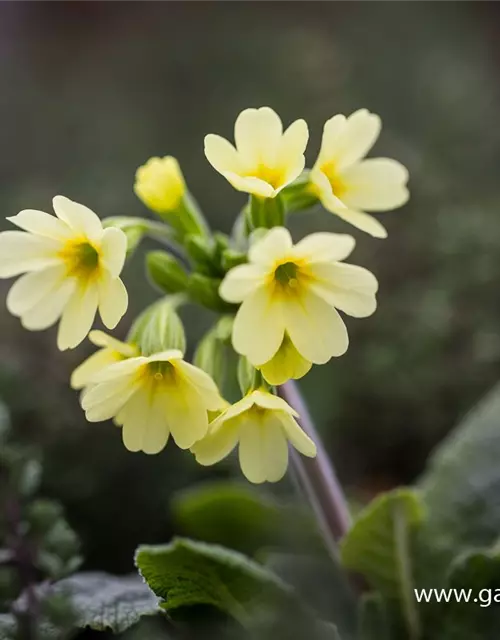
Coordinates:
[160,185]
[165,272]
[211,352]
[266,212]
[159,328]
[205,291]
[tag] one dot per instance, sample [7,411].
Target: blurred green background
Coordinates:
[90,90]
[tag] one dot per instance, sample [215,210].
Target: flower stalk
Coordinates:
[317,476]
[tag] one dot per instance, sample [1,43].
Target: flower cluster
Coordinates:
[278,300]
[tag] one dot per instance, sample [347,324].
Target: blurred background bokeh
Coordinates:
[90,90]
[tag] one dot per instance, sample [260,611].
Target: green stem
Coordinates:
[405,573]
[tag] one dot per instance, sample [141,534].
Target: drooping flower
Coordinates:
[72,267]
[292,292]
[160,184]
[111,351]
[151,398]
[265,159]
[346,183]
[263,425]
[286,364]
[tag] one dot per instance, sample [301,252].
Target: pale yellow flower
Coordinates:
[292,292]
[286,364]
[71,266]
[263,425]
[111,351]
[265,159]
[348,185]
[160,184]
[151,397]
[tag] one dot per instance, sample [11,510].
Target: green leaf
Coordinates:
[380,547]
[106,603]
[187,573]
[478,619]
[233,515]
[462,484]
[374,619]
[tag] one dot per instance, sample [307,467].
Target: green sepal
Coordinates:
[205,291]
[211,352]
[266,213]
[165,272]
[202,253]
[159,328]
[299,196]
[187,219]
[232,258]
[250,378]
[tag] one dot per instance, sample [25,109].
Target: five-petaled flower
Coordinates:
[263,425]
[265,159]
[291,293]
[111,351]
[151,397]
[71,266]
[160,184]
[348,185]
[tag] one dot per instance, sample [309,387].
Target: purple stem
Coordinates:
[317,476]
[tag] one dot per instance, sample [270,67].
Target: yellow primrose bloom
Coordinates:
[265,159]
[151,397]
[292,292]
[348,185]
[71,266]
[286,364]
[160,184]
[263,425]
[111,351]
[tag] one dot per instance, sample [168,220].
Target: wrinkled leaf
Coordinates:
[186,573]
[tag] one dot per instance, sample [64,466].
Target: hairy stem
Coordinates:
[317,476]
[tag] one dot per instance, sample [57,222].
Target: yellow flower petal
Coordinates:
[113,250]
[105,341]
[257,133]
[113,300]
[324,247]
[267,400]
[32,288]
[41,224]
[250,184]
[21,252]
[377,184]
[48,310]
[83,374]
[347,287]
[79,217]
[356,138]
[77,317]
[297,437]
[276,244]
[222,155]
[285,365]
[187,415]
[363,221]
[315,328]
[241,282]
[160,184]
[217,444]
[202,383]
[258,313]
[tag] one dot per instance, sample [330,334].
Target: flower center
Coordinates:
[336,182]
[81,258]
[161,371]
[286,274]
[272,176]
